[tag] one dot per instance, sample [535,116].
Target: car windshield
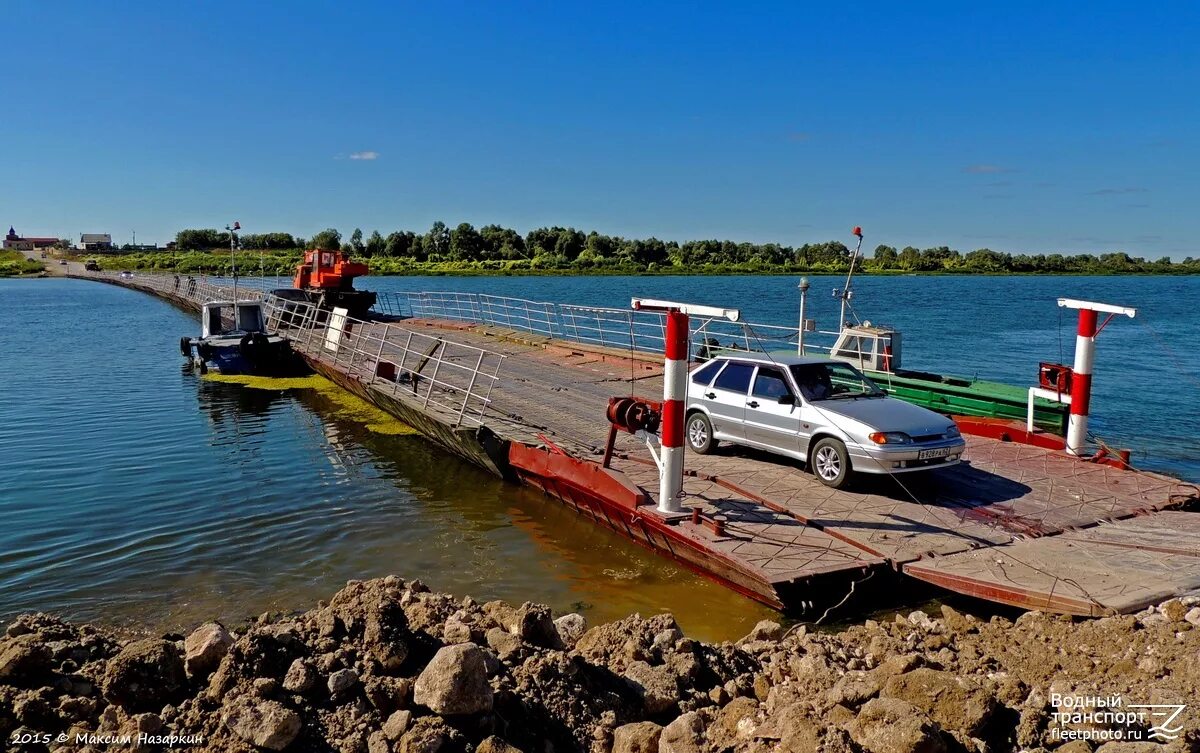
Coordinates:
[833,381]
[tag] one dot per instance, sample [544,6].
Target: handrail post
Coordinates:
[470,386]
[379,355]
[433,380]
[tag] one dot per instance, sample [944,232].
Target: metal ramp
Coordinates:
[1114,567]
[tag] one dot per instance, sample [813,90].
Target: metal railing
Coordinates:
[625,329]
[426,371]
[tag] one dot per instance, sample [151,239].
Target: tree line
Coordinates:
[557,248]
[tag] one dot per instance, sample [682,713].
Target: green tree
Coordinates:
[465,243]
[400,243]
[885,257]
[329,239]
[355,246]
[437,242]
[375,244]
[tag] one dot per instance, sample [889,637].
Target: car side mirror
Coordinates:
[787,399]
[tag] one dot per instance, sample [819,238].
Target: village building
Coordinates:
[95,242]
[15,242]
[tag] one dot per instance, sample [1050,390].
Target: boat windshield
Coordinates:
[833,381]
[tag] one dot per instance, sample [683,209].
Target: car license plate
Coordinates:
[938,452]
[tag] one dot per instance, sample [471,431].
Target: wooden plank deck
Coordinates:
[1014,523]
[787,526]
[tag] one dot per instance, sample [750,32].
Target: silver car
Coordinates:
[825,413]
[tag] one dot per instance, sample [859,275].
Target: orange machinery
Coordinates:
[327,279]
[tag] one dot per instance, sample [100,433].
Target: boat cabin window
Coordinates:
[250,318]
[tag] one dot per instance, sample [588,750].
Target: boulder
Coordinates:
[301,677]
[494,744]
[455,682]
[765,630]
[639,737]
[204,649]
[571,627]
[429,734]
[267,724]
[954,702]
[505,644]
[534,623]
[889,725]
[23,656]
[397,724]
[145,675]
[342,681]
[683,735]
[1193,616]
[734,723]
[854,688]
[657,687]
[1173,610]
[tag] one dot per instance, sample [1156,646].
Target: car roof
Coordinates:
[778,359]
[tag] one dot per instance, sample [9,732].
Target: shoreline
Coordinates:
[387,665]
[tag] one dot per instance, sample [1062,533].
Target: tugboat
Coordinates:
[233,340]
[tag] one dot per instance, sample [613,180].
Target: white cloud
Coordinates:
[364,155]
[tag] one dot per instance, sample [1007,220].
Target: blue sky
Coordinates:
[1017,126]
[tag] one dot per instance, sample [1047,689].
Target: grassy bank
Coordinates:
[283,263]
[14,264]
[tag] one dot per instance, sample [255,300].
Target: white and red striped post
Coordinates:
[1081,371]
[675,371]
[675,374]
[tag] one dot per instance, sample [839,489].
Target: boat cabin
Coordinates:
[217,318]
[869,347]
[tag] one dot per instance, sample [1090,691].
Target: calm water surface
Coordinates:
[133,491]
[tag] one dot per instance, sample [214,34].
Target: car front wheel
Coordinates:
[830,462]
[700,434]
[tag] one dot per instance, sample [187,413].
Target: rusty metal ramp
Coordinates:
[1119,566]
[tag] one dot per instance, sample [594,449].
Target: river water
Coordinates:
[133,491]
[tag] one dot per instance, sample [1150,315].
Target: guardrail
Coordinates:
[451,378]
[642,331]
[455,378]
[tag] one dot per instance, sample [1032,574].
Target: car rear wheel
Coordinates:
[830,462]
[700,434]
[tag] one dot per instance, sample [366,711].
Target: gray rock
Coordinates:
[341,681]
[656,686]
[378,743]
[639,737]
[397,724]
[570,628]
[505,644]
[534,624]
[456,631]
[683,735]
[1193,616]
[204,649]
[765,630]
[267,724]
[23,656]
[455,681]
[494,744]
[301,677]
[146,675]
[955,703]
[890,725]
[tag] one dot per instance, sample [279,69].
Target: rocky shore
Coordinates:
[388,666]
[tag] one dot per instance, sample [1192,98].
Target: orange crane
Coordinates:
[327,279]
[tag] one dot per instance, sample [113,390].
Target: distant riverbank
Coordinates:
[275,264]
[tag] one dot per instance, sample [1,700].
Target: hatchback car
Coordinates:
[822,412]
